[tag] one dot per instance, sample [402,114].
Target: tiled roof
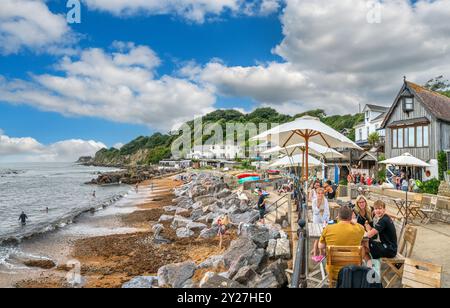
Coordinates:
[436,103]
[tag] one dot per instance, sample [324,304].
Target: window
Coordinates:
[419,137]
[408,104]
[394,138]
[411,137]
[367,116]
[368,132]
[400,138]
[426,141]
[360,134]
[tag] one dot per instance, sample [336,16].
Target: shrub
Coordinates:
[430,187]
[442,164]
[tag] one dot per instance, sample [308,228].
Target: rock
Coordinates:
[256,259]
[159,240]
[213,262]
[245,275]
[196,214]
[196,226]
[283,234]
[175,275]
[179,221]
[206,200]
[278,269]
[266,281]
[165,218]
[285,224]
[240,247]
[205,278]
[223,194]
[271,248]
[189,284]
[247,217]
[219,282]
[259,235]
[184,232]
[170,208]
[197,205]
[180,210]
[157,229]
[142,282]
[209,233]
[41,263]
[283,249]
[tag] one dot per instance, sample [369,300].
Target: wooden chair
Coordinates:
[414,209]
[340,256]
[417,274]
[428,212]
[399,224]
[395,265]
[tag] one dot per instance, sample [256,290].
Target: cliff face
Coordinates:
[114,158]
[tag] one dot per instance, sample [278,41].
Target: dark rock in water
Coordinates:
[259,235]
[245,275]
[44,264]
[132,176]
[175,275]
[241,247]
[219,282]
[142,282]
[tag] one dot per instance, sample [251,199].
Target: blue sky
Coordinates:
[134,67]
[237,41]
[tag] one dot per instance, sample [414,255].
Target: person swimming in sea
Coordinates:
[93,194]
[23,218]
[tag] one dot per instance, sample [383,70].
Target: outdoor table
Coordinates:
[401,207]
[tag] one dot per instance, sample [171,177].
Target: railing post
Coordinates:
[299,277]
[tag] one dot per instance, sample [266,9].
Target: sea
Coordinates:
[52,195]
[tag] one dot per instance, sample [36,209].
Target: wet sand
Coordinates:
[108,261]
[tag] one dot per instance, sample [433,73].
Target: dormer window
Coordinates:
[408,104]
[367,116]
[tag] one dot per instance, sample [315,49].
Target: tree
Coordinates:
[373,139]
[442,164]
[439,84]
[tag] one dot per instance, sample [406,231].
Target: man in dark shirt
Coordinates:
[23,218]
[261,206]
[385,228]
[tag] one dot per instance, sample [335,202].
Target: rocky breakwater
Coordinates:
[257,258]
[129,176]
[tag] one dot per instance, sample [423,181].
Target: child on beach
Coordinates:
[222,223]
[321,215]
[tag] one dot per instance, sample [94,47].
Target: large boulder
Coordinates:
[209,232]
[170,208]
[184,232]
[157,229]
[196,214]
[179,222]
[259,235]
[283,249]
[278,269]
[165,218]
[271,248]
[206,200]
[241,247]
[142,282]
[213,262]
[266,281]
[247,217]
[245,275]
[175,275]
[219,282]
[181,210]
[223,194]
[196,226]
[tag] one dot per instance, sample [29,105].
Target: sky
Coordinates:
[134,67]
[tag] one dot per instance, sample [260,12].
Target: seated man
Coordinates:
[344,233]
[386,247]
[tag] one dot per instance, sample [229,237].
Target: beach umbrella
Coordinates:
[295,160]
[314,149]
[306,130]
[405,160]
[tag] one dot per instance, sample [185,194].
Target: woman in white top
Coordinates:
[313,191]
[321,215]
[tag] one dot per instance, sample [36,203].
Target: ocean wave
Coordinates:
[46,227]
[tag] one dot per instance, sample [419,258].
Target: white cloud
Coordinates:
[29,149]
[120,86]
[193,10]
[30,24]
[335,59]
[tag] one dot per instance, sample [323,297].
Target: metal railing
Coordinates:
[300,266]
[277,205]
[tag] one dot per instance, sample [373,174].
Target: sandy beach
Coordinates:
[108,261]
